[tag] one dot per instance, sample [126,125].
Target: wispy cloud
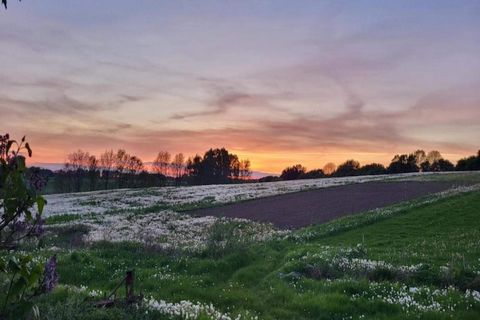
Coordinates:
[224,102]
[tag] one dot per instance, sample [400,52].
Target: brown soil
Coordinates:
[300,209]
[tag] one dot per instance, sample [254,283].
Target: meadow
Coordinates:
[416,259]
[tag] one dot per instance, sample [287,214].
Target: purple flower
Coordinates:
[19,226]
[39,228]
[50,275]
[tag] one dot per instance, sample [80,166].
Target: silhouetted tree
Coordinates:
[329,168]
[403,164]
[470,163]
[134,167]
[77,164]
[107,160]
[433,156]
[121,161]
[194,168]
[93,172]
[420,157]
[161,163]
[234,167]
[442,165]
[178,165]
[245,172]
[435,162]
[348,168]
[372,169]
[293,172]
[424,167]
[216,166]
[313,174]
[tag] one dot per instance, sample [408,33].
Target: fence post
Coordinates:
[129,281]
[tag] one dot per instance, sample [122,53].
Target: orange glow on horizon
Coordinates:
[267,162]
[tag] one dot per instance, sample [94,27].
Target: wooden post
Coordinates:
[129,279]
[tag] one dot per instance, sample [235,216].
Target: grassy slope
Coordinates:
[460,176]
[247,277]
[429,234]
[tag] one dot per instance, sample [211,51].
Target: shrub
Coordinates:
[18,223]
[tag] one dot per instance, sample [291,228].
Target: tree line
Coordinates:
[111,170]
[83,171]
[418,161]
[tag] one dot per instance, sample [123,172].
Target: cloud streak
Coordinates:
[221,105]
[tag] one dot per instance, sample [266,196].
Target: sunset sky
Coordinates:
[279,82]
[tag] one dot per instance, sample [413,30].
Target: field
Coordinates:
[418,258]
[301,209]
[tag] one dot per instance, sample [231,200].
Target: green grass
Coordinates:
[434,234]
[292,278]
[465,177]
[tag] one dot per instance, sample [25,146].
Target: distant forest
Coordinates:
[418,161]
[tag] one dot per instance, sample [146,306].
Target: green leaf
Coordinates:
[36,312]
[24,259]
[3,265]
[25,272]
[18,286]
[28,215]
[33,278]
[41,202]
[13,264]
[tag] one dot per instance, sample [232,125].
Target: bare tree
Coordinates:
[234,166]
[92,171]
[121,160]
[161,163]
[245,172]
[107,160]
[134,167]
[77,162]
[178,165]
[433,156]
[329,168]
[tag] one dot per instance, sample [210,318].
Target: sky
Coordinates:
[278,82]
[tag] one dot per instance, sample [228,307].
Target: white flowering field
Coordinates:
[418,259]
[154,215]
[127,199]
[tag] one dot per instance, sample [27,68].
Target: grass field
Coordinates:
[413,260]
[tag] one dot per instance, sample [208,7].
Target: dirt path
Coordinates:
[296,210]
